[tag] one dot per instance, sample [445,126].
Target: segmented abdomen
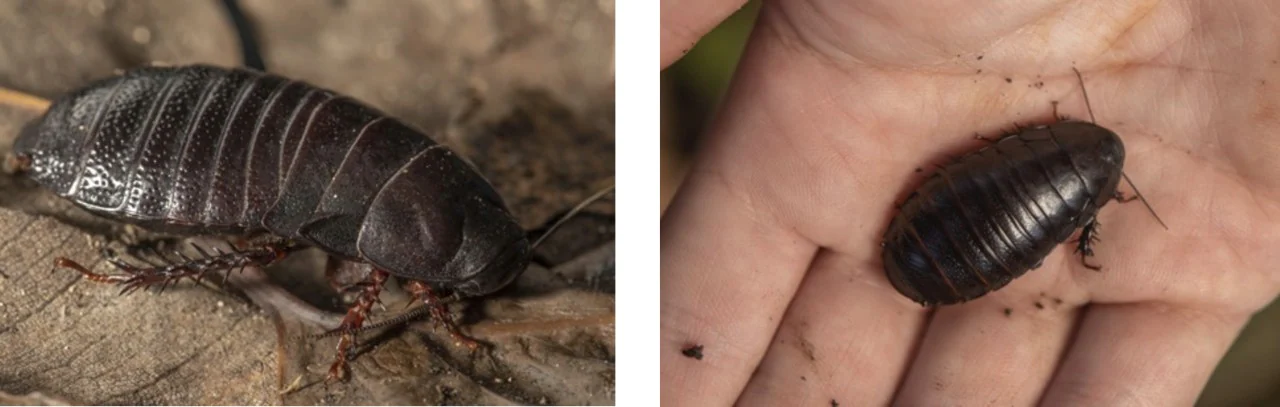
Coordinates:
[201,149]
[979,223]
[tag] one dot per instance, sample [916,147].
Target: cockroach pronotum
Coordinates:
[988,217]
[202,150]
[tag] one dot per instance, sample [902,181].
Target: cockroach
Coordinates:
[201,150]
[986,218]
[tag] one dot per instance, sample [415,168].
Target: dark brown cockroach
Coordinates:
[988,217]
[202,150]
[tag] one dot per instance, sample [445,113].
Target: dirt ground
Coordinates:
[524,88]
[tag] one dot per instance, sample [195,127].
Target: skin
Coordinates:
[770,251]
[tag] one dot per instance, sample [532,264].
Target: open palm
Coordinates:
[770,253]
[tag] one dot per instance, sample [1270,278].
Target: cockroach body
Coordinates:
[202,150]
[988,217]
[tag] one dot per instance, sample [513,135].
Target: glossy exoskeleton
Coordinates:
[987,218]
[991,216]
[201,150]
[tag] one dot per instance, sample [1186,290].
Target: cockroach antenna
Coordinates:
[572,212]
[1093,119]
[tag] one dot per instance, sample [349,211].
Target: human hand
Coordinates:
[770,254]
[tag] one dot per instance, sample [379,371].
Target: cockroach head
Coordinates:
[501,269]
[470,247]
[1092,147]
[494,250]
[1096,153]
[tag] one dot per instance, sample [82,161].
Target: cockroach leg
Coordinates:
[1084,245]
[356,315]
[1121,198]
[162,275]
[63,262]
[422,291]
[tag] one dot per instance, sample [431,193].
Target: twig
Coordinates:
[24,101]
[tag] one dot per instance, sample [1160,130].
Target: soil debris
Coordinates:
[694,351]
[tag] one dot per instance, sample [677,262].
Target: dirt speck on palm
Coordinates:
[692,352]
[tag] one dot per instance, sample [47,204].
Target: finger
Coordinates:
[727,276]
[1001,349]
[1147,353]
[684,22]
[847,337]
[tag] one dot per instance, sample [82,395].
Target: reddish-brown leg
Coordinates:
[353,321]
[63,262]
[422,291]
[140,277]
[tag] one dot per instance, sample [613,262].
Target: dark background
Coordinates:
[692,88]
[539,75]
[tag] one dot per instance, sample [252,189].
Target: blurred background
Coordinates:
[691,92]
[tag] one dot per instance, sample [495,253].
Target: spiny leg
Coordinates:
[1084,245]
[153,273]
[422,291]
[356,315]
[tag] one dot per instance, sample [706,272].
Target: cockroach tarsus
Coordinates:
[204,150]
[987,218]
